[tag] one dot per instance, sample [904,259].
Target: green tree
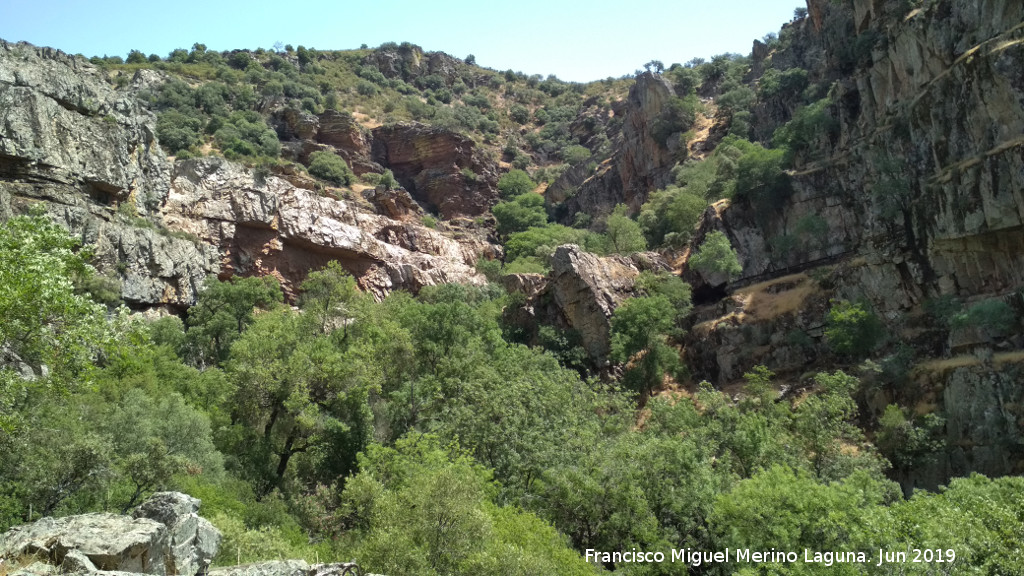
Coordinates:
[515,183]
[623,235]
[716,256]
[521,213]
[639,329]
[45,322]
[852,329]
[223,312]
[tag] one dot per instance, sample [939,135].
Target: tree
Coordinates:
[330,297]
[716,256]
[135,57]
[223,312]
[521,213]
[623,235]
[515,183]
[852,329]
[470,60]
[330,167]
[639,329]
[45,322]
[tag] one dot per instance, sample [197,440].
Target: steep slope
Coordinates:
[88,154]
[918,194]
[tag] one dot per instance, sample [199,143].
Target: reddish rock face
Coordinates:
[433,164]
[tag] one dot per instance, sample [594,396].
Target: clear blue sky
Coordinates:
[576,40]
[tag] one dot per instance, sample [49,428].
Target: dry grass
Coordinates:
[776,298]
[940,365]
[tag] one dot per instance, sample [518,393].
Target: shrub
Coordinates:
[716,256]
[429,221]
[519,114]
[575,154]
[852,329]
[515,183]
[677,117]
[330,167]
[177,131]
[623,235]
[521,213]
[992,317]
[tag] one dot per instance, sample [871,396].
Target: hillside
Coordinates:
[390,305]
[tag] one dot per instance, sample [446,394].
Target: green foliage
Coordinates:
[622,234]
[519,214]
[542,241]
[425,509]
[247,134]
[670,216]
[852,329]
[177,131]
[223,312]
[761,181]
[670,286]
[429,221]
[810,127]
[330,167]
[678,116]
[575,154]
[639,329]
[515,183]
[993,317]
[716,256]
[45,322]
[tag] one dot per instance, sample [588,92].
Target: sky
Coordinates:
[574,40]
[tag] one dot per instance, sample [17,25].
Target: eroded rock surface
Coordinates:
[164,537]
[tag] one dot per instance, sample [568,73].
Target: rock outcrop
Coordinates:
[915,197]
[270,227]
[579,294]
[641,163]
[440,168]
[164,537]
[87,152]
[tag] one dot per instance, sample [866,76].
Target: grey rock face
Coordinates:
[193,541]
[166,537]
[271,227]
[583,291]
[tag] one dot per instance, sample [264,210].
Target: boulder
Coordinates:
[582,292]
[164,537]
[193,541]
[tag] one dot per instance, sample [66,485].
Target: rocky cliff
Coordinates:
[87,152]
[640,164]
[919,197]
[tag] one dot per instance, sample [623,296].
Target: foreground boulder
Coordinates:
[165,537]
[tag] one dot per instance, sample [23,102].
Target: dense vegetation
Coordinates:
[412,435]
[425,434]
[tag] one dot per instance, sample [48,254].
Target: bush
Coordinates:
[521,213]
[575,154]
[622,234]
[429,221]
[177,131]
[519,114]
[716,256]
[853,330]
[515,183]
[330,167]
[992,317]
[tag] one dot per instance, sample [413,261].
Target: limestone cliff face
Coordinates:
[640,165]
[88,153]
